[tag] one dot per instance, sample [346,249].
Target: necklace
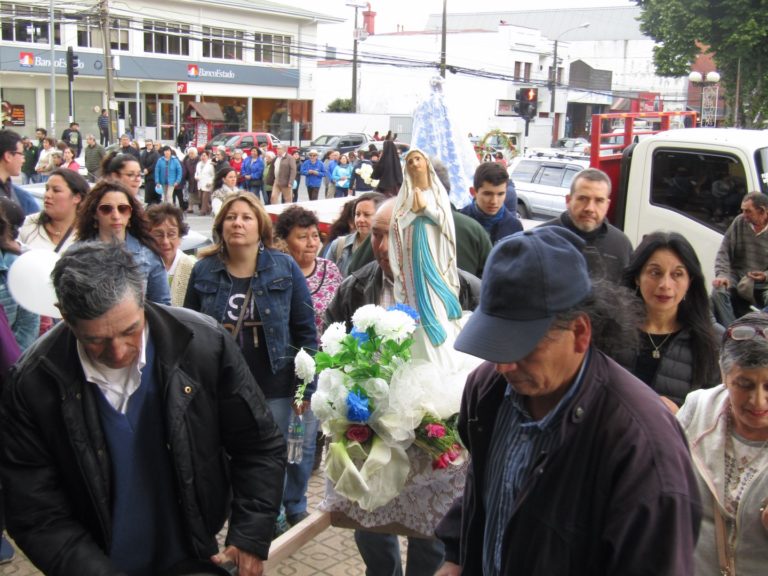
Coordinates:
[656,353]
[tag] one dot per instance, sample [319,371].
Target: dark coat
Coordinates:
[363,287]
[617,496]
[221,438]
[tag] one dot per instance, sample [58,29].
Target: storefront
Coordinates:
[151,93]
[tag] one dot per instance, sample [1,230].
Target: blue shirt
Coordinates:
[519,442]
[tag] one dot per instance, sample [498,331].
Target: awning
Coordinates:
[205,110]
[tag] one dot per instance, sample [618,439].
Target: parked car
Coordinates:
[243,140]
[341,142]
[543,183]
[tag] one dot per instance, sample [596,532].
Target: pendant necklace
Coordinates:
[656,352]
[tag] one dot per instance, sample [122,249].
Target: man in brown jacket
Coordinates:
[285,174]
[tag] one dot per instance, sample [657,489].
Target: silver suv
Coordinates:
[543,183]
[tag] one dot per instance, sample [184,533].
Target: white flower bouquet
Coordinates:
[375,402]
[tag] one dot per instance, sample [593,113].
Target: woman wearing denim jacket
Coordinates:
[111,212]
[278,318]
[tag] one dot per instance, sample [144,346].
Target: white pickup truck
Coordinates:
[687,180]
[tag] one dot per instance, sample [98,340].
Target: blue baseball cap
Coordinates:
[529,278]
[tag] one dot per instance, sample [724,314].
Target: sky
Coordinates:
[412,14]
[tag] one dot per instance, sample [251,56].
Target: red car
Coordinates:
[245,141]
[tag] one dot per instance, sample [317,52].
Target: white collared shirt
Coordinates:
[117,384]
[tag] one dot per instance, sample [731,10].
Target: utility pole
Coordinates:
[108,69]
[52,35]
[443,39]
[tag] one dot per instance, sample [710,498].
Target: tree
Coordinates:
[735,32]
[340,105]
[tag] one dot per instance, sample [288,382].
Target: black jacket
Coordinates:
[363,287]
[227,454]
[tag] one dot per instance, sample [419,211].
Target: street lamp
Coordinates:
[708,106]
[553,81]
[356,6]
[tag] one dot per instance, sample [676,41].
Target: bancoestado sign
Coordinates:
[14,59]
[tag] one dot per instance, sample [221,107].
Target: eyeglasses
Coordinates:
[107,209]
[746,333]
[159,236]
[131,174]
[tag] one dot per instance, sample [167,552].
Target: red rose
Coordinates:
[358,433]
[442,462]
[435,430]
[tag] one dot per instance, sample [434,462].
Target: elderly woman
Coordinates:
[124,168]
[341,249]
[727,428]
[261,296]
[112,212]
[298,229]
[678,345]
[53,227]
[167,228]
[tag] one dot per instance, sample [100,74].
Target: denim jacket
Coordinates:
[158,289]
[281,296]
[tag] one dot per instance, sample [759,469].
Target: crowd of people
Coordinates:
[617,424]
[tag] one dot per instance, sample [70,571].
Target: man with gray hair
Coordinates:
[285,174]
[742,261]
[133,431]
[607,249]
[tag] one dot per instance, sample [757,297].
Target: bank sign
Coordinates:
[139,68]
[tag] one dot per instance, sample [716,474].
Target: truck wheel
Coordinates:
[523,211]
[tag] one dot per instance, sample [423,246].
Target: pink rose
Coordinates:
[358,433]
[442,462]
[435,430]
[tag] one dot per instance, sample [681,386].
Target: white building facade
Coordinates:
[246,56]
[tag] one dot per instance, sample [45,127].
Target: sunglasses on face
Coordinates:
[107,209]
[746,333]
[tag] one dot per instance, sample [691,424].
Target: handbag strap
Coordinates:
[726,563]
[241,317]
[64,238]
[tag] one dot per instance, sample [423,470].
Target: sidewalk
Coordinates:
[331,553]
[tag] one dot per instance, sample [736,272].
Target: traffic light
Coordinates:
[529,102]
[73,62]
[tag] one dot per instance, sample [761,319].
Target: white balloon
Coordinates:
[29,282]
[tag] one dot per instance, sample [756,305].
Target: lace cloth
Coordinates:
[426,498]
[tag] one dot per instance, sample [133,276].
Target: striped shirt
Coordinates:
[518,443]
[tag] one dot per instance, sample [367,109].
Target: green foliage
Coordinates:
[340,105]
[734,31]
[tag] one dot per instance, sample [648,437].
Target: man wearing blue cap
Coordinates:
[576,467]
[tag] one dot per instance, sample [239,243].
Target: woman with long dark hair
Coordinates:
[53,227]
[678,346]
[112,212]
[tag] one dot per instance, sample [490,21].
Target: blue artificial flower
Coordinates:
[361,337]
[407,309]
[357,407]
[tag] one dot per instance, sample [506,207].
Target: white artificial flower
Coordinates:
[367,316]
[332,337]
[395,325]
[304,366]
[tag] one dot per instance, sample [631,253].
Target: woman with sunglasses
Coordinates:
[112,212]
[124,168]
[678,344]
[727,428]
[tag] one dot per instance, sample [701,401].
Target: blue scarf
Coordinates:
[487,222]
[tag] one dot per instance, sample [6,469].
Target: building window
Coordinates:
[161,38]
[523,71]
[527,73]
[28,24]
[272,48]
[89,33]
[222,43]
